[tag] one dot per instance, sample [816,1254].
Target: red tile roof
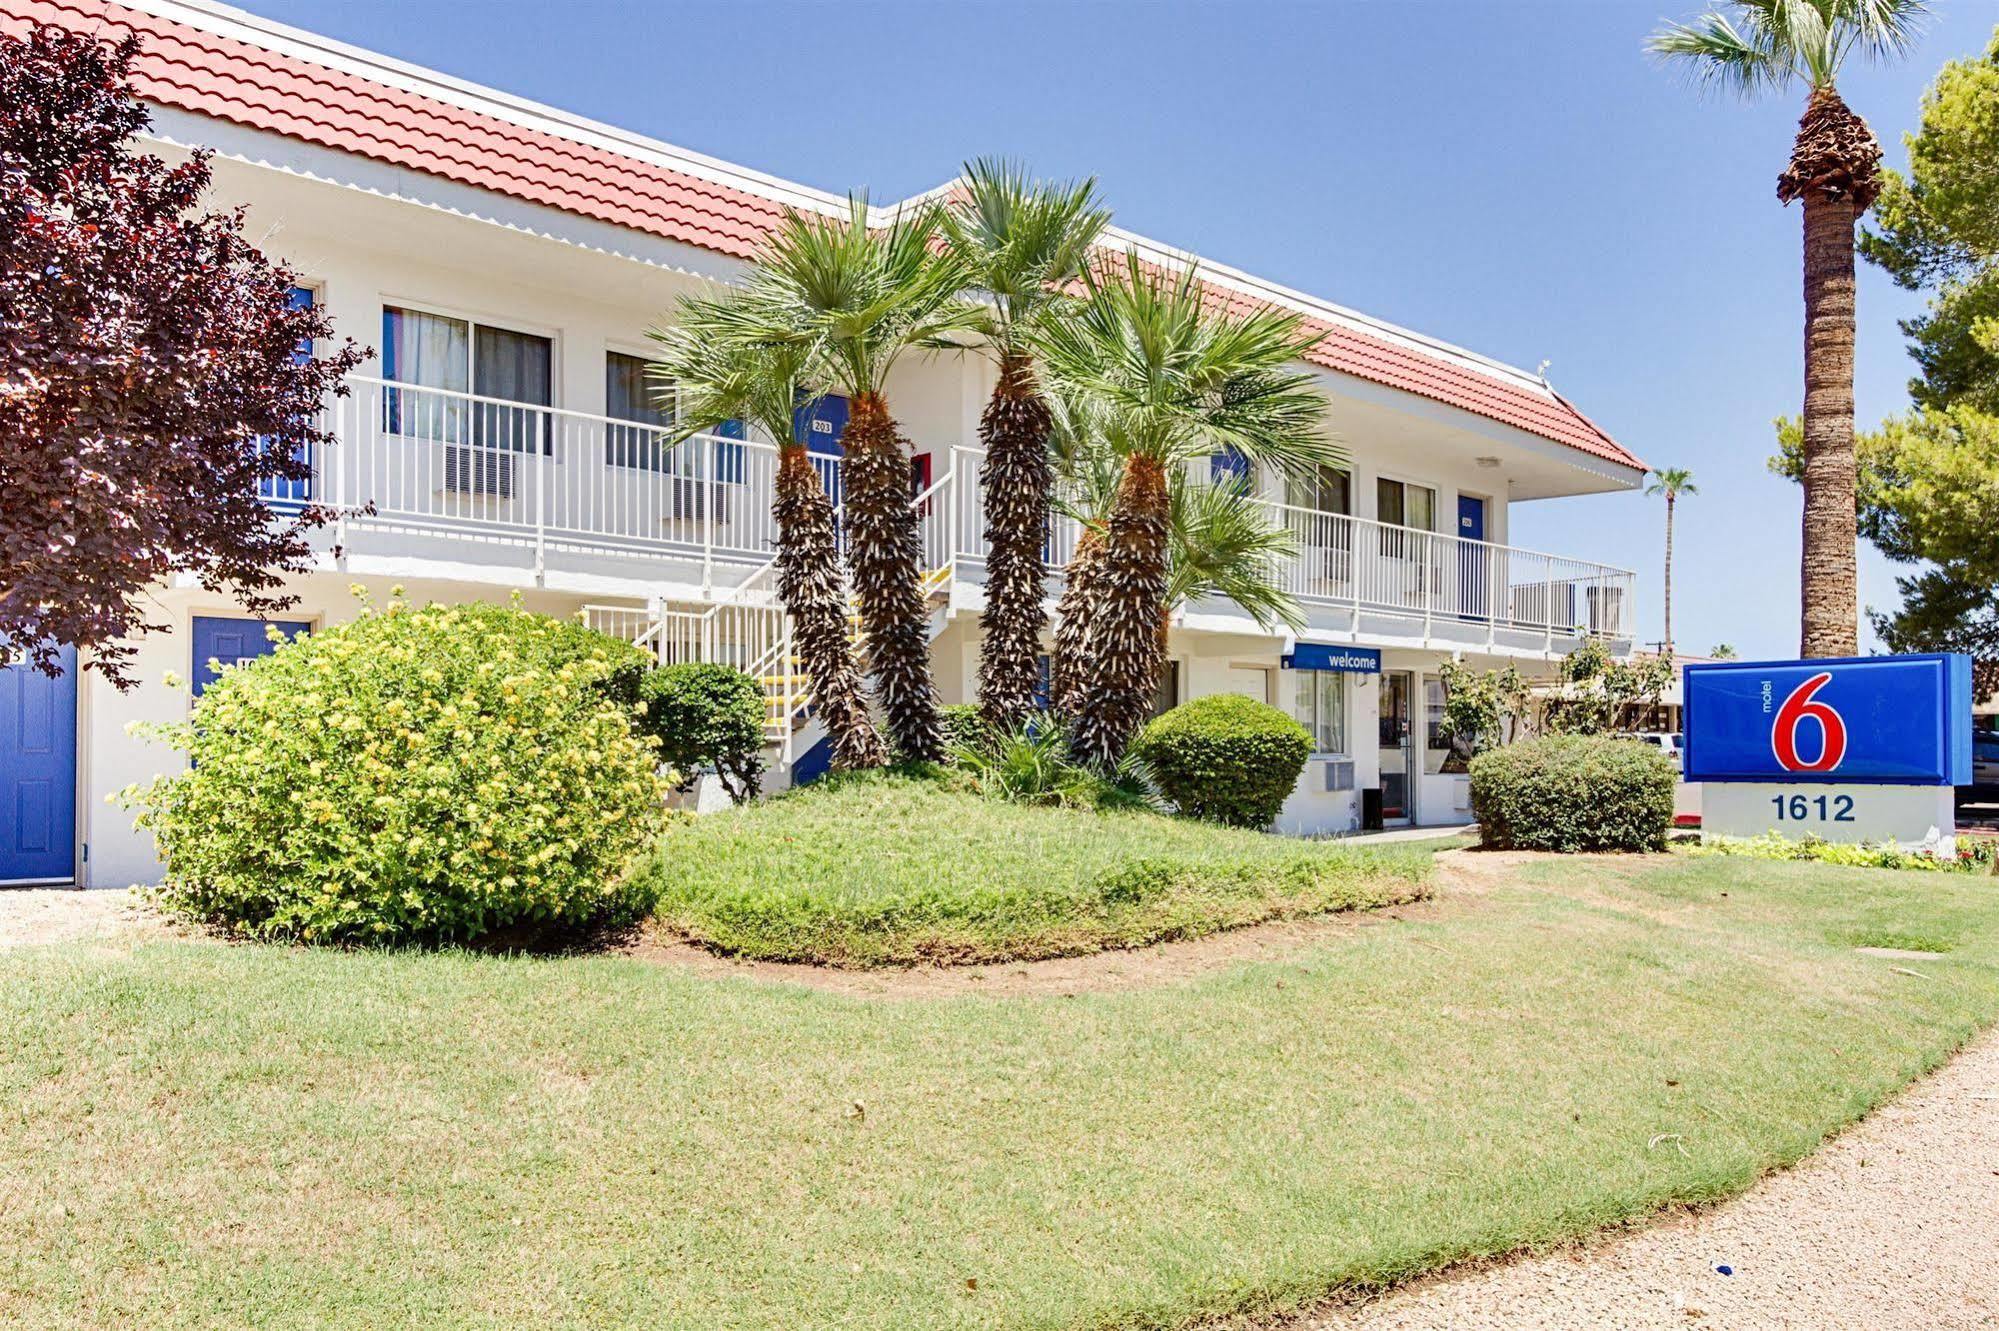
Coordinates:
[193,69]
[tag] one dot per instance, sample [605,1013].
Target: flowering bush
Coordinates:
[1973,855]
[431,773]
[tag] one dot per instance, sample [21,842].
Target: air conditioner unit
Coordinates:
[479,471]
[1339,776]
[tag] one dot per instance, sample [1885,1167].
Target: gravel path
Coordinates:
[1893,1226]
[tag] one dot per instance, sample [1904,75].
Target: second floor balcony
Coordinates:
[427,473]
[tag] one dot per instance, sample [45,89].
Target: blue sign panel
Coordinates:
[1875,720]
[1319,656]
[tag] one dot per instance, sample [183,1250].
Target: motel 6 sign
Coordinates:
[1865,749]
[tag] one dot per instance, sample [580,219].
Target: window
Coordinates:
[1330,490]
[1230,467]
[1168,696]
[456,356]
[1322,708]
[632,394]
[1400,504]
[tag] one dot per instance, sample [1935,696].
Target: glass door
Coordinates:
[1397,788]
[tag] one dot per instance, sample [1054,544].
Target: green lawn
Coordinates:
[894,869]
[206,1136]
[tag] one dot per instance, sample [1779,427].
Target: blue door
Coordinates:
[38,773]
[230,641]
[283,492]
[1475,562]
[818,425]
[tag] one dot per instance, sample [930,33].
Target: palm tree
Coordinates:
[710,376]
[1023,244]
[849,299]
[1754,46]
[1671,482]
[1166,381]
[1220,542]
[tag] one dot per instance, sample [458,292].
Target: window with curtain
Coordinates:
[1329,490]
[458,356]
[631,393]
[1321,707]
[1400,504]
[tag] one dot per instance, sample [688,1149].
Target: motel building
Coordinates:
[505,259]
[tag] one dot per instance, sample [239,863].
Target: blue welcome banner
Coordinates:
[1321,656]
[1875,720]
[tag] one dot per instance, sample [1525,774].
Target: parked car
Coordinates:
[1984,768]
[1672,743]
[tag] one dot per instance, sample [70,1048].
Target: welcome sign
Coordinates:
[1860,749]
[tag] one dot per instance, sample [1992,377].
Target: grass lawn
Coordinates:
[206,1136]
[892,869]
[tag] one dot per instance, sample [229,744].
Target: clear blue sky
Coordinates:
[1514,177]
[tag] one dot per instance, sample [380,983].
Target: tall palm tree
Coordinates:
[1022,244]
[1672,482]
[850,299]
[1754,46]
[1220,543]
[1167,381]
[711,376]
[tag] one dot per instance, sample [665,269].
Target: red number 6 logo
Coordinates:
[1784,730]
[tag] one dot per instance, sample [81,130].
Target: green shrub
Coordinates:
[1574,793]
[415,774]
[1226,758]
[707,718]
[964,728]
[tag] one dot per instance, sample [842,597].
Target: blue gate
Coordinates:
[38,773]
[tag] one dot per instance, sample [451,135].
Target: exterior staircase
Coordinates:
[747,627]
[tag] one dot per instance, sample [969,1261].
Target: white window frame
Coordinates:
[1311,723]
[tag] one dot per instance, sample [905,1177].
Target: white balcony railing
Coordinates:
[460,465]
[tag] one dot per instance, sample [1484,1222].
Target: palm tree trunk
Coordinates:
[1072,624]
[885,557]
[1015,479]
[1669,577]
[1122,656]
[1834,170]
[809,584]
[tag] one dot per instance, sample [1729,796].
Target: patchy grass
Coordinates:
[207,1136]
[892,869]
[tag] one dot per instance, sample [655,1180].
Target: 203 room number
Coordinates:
[1809,808]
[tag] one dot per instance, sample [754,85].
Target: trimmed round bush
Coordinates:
[1225,758]
[1574,793]
[417,774]
[706,718]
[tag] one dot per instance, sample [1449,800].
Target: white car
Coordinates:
[1672,744]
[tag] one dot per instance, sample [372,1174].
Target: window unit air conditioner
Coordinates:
[1339,776]
[479,471]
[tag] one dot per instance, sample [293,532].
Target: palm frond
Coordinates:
[1020,241]
[713,370]
[1224,543]
[1749,47]
[1158,370]
[852,296]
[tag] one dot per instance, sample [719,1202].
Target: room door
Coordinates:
[1474,560]
[1397,750]
[38,774]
